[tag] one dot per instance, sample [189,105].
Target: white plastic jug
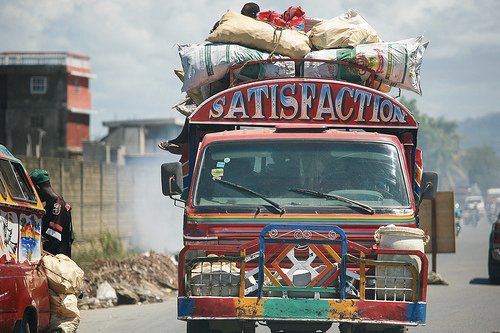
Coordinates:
[392,280]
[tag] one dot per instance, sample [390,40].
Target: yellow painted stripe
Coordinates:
[341,309]
[250,307]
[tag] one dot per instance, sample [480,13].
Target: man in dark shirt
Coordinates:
[57,228]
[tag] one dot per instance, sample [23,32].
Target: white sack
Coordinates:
[347,30]
[64,313]
[396,64]
[204,64]
[63,274]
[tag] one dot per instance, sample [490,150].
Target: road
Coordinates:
[468,304]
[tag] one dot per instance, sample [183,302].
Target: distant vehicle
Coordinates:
[492,203]
[458,217]
[473,210]
[474,202]
[494,253]
[24,294]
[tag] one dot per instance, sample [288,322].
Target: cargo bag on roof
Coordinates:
[347,30]
[235,28]
[204,64]
[396,64]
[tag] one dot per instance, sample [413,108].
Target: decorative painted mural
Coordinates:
[9,236]
[31,230]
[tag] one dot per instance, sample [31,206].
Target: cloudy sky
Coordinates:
[132,45]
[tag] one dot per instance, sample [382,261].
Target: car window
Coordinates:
[16,181]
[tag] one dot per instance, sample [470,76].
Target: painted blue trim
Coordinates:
[185,307]
[416,312]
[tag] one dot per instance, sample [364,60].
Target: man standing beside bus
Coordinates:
[57,228]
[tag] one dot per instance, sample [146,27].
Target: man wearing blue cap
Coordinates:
[57,229]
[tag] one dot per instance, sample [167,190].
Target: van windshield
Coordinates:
[16,181]
[368,173]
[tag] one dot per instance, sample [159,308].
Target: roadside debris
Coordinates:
[145,278]
[436,278]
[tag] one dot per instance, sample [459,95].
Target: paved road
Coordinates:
[468,304]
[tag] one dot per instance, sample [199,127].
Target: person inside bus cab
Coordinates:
[57,228]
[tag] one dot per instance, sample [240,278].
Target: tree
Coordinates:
[483,167]
[440,143]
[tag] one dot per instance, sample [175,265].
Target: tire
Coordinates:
[493,270]
[22,326]
[396,329]
[360,328]
[249,327]
[351,328]
[198,326]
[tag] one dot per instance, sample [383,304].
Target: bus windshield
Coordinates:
[301,176]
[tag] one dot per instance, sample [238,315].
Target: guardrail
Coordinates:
[297,261]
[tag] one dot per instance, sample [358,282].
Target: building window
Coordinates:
[76,86]
[38,85]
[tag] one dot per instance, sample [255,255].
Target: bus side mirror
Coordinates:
[429,185]
[171,179]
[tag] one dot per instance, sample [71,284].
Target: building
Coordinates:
[45,103]
[134,141]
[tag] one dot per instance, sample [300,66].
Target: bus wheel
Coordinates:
[198,326]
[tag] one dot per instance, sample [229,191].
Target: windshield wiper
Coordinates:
[241,188]
[366,208]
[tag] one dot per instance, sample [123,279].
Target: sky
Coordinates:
[133,47]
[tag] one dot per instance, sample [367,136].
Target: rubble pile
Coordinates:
[145,278]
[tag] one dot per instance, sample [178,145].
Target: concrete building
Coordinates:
[134,141]
[45,103]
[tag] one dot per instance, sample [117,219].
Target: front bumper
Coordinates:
[283,309]
[255,280]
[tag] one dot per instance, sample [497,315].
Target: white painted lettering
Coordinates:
[217,109]
[257,92]
[288,102]
[340,102]
[376,109]
[325,104]
[238,106]
[386,111]
[364,100]
[307,99]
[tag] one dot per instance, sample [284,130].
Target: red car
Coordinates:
[24,294]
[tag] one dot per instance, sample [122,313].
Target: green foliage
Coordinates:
[440,142]
[107,246]
[483,167]
[111,244]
